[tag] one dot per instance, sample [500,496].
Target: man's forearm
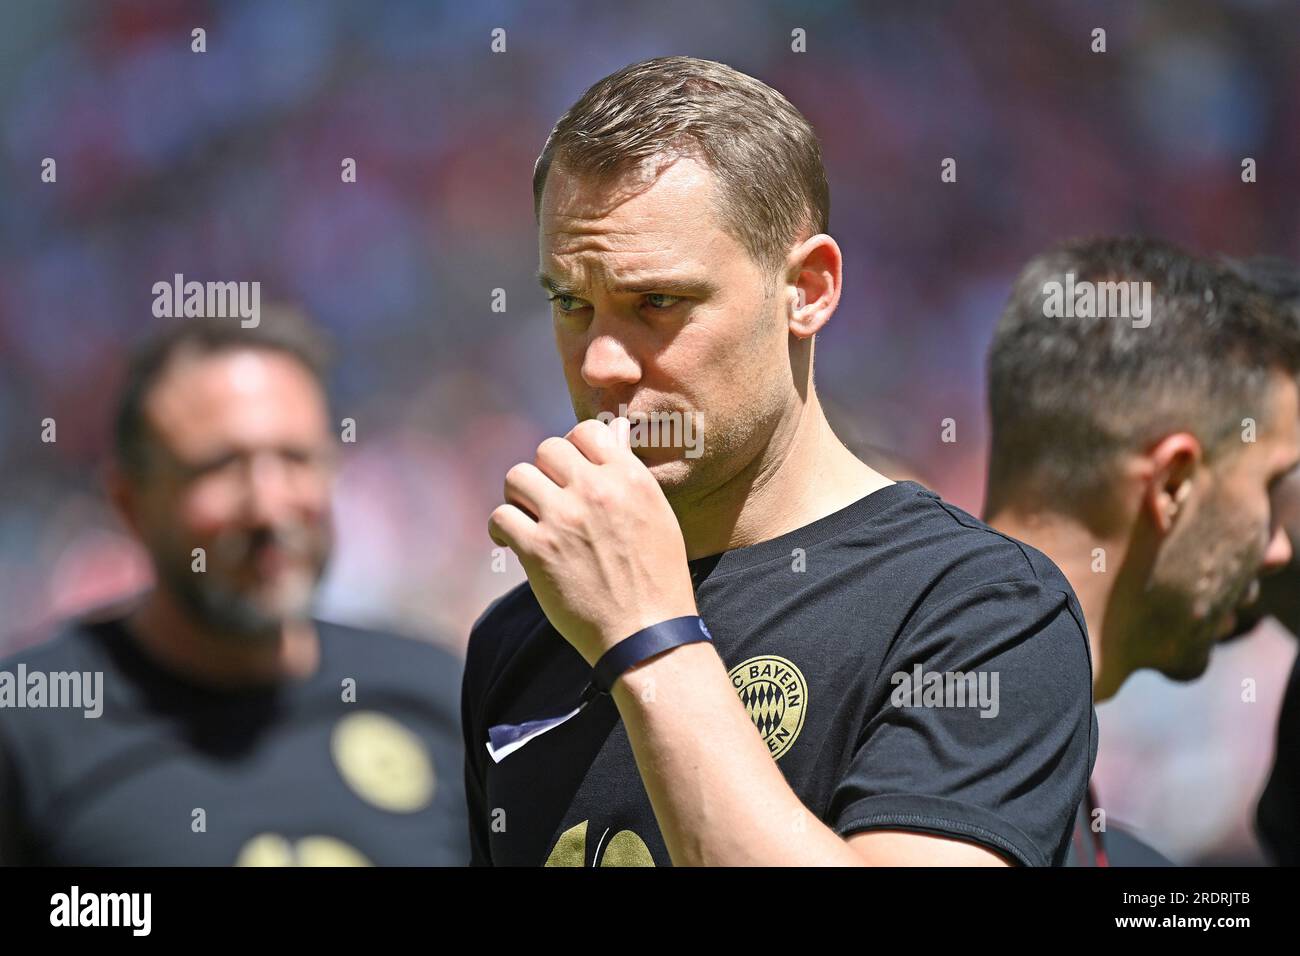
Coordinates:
[718,795]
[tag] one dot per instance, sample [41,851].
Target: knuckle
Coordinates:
[597,494]
[515,475]
[545,545]
[606,494]
[549,448]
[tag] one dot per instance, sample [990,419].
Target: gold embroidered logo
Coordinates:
[272,849]
[624,848]
[775,696]
[384,763]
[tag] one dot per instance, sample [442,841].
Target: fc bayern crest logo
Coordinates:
[775,696]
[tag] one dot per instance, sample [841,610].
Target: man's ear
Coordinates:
[814,278]
[1173,464]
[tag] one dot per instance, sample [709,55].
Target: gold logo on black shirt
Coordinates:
[775,696]
[384,763]
[625,848]
[272,849]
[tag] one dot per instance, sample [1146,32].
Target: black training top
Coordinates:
[823,631]
[1278,814]
[173,774]
[1098,843]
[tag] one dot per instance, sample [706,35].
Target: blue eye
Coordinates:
[561,299]
[658,301]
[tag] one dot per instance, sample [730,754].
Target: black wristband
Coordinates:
[644,644]
[505,739]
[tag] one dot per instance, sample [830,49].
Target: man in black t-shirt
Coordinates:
[1141,452]
[1277,816]
[888,681]
[214,721]
[174,772]
[826,661]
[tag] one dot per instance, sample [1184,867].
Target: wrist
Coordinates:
[640,682]
[644,645]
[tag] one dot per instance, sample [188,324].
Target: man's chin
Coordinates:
[1191,667]
[672,473]
[289,603]
[257,615]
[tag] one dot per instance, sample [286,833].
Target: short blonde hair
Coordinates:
[764,153]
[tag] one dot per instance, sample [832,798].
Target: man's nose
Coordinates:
[609,361]
[269,491]
[1278,553]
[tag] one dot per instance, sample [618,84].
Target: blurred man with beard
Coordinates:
[1142,453]
[1278,814]
[233,727]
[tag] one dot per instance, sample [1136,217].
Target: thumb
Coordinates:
[622,429]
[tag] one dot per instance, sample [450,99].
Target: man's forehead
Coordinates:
[235,371]
[1286,409]
[1283,427]
[629,209]
[207,389]
[592,274]
[571,192]
[663,235]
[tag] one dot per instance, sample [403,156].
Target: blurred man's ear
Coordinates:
[1173,465]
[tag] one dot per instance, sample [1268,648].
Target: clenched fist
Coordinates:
[596,536]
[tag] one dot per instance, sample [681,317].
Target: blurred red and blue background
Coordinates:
[226,165]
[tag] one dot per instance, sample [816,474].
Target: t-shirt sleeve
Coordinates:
[475,796]
[13,836]
[981,726]
[1278,814]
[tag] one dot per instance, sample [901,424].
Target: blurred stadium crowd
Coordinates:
[226,165]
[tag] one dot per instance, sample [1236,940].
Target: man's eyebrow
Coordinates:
[670,285]
[552,285]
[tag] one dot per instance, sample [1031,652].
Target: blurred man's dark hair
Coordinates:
[1272,276]
[281,329]
[1068,394]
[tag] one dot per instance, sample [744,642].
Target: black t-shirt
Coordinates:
[1113,846]
[822,630]
[173,774]
[1278,815]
